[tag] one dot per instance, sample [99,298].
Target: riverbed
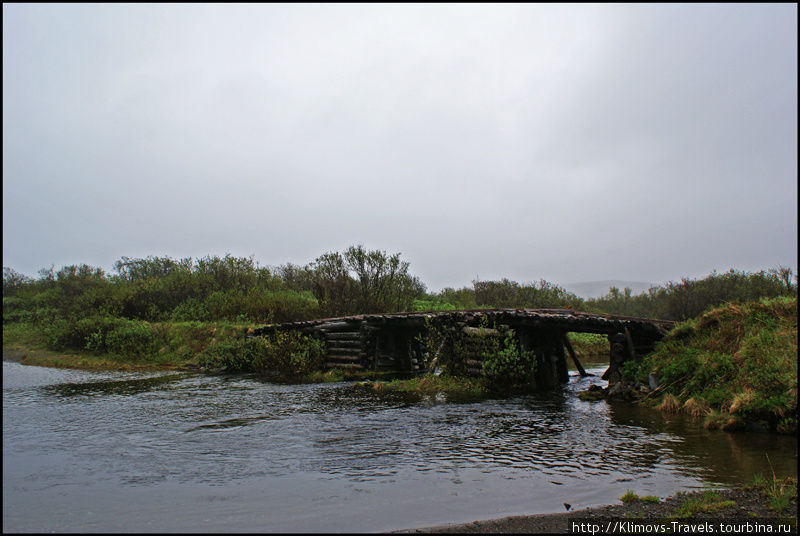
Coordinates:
[186,452]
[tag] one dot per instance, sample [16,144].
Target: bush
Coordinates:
[288,354]
[93,331]
[230,356]
[280,306]
[131,338]
[191,310]
[505,293]
[631,370]
[58,335]
[292,353]
[14,310]
[508,364]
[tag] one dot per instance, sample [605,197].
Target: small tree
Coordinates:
[13,281]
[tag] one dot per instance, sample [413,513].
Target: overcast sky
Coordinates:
[559,142]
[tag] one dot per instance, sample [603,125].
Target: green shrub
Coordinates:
[14,310]
[280,306]
[631,370]
[191,310]
[131,338]
[41,316]
[432,303]
[230,356]
[289,354]
[508,364]
[58,335]
[93,331]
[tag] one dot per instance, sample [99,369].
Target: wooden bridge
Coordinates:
[394,342]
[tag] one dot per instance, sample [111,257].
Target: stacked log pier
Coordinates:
[475,345]
[344,345]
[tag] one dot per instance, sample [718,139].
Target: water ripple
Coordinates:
[154,432]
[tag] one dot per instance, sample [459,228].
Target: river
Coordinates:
[185,452]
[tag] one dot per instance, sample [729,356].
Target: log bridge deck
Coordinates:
[391,341]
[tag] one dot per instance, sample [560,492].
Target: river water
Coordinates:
[112,451]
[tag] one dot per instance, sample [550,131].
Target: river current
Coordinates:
[185,452]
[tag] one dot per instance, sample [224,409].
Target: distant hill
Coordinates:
[595,289]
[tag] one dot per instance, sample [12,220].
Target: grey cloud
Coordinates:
[563,142]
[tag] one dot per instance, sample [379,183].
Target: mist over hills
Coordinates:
[595,289]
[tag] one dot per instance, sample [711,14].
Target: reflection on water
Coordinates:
[109,387]
[184,452]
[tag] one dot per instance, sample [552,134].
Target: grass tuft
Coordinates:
[670,405]
[696,408]
[707,502]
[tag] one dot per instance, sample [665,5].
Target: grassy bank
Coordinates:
[733,367]
[118,346]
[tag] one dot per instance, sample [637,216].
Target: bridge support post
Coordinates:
[551,361]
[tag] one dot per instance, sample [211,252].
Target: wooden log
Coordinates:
[435,359]
[343,358]
[473,363]
[339,326]
[344,343]
[606,374]
[344,365]
[561,363]
[344,335]
[376,357]
[571,351]
[344,351]
[629,340]
[481,332]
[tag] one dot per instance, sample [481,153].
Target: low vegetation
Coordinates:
[102,342]
[453,388]
[733,366]
[707,502]
[286,354]
[774,498]
[675,300]
[630,497]
[727,366]
[779,493]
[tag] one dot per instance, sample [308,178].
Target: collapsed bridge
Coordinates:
[396,341]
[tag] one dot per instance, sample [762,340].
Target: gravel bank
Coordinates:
[749,504]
